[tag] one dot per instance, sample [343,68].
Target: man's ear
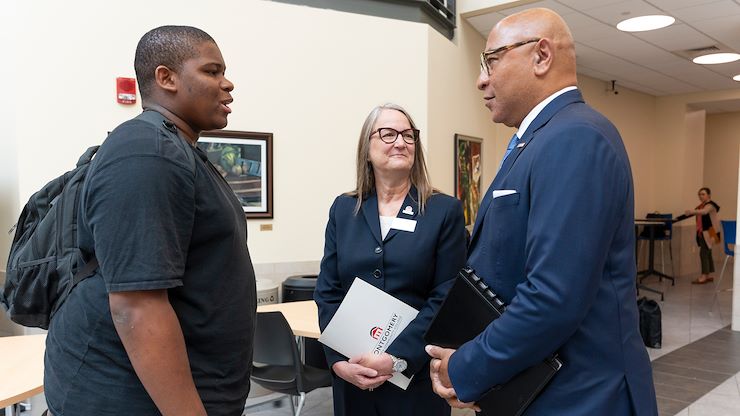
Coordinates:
[543,56]
[165,78]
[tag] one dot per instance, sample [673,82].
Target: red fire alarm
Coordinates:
[126,90]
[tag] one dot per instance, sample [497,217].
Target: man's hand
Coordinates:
[382,363]
[441,383]
[359,375]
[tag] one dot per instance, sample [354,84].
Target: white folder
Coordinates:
[368,320]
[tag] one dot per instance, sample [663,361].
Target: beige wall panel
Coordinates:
[721,160]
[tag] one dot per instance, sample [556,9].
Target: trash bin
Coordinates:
[297,288]
[267,292]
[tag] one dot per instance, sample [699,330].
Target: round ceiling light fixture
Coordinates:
[717,58]
[736,77]
[645,23]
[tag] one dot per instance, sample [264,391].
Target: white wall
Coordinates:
[9,154]
[307,75]
[456,106]
[720,160]
[676,183]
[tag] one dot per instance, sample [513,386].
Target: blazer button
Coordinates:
[376,273]
[378,250]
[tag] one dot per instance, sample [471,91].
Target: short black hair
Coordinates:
[708,191]
[166,45]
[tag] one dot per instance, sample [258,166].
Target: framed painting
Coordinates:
[244,159]
[467,175]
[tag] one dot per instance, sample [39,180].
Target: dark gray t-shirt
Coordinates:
[156,217]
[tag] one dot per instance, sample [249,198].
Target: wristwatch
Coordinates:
[399,364]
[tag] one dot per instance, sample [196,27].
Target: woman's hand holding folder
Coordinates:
[365,378]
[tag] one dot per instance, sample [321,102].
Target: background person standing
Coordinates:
[708,233]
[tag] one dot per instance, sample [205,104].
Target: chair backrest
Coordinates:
[728,235]
[274,342]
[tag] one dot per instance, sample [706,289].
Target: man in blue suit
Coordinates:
[554,238]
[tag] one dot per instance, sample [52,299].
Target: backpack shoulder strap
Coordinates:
[160,121]
[88,155]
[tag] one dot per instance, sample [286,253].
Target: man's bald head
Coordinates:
[541,23]
[530,55]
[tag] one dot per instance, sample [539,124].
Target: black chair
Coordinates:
[277,362]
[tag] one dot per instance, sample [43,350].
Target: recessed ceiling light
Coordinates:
[643,23]
[717,58]
[736,77]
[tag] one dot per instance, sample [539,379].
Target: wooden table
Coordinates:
[22,369]
[303,316]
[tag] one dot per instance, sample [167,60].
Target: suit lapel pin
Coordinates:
[521,144]
[408,210]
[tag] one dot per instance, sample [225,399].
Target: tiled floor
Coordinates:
[698,365]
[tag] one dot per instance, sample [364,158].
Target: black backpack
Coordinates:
[650,322]
[45,262]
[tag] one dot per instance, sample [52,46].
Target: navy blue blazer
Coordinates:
[416,267]
[561,252]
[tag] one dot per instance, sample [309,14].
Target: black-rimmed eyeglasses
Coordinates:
[488,58]
[389,135]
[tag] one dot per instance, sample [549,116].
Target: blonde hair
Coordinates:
[365,174]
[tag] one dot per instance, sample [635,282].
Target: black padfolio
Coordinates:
[467,310]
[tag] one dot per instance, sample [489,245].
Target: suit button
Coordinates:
[378,250]
[376,273]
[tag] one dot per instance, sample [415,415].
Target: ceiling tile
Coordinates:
[673,86]
[603,31]
[615,13]
[676,37]
[642,88]
[644,61]
[724,29]
[674,65]
[701,78]
[483,23]
[550,4]
[670,5]
[630,48]
[607,77]
[586,31]
[726,70]
[720,83]
[594,58]
[650,78]
[706,11]
[587,4]
[579,20]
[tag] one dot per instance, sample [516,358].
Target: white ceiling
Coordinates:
[645,61]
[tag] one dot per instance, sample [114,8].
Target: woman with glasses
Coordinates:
[397,233]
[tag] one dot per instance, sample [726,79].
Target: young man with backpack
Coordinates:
[165,323]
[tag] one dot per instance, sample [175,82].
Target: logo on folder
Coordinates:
[375,332]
